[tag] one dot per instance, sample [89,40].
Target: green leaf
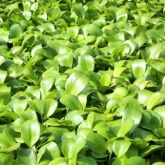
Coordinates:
[120,147]
[17,105]
[136,160]
[159,163]
[143,96]
[158,65]
[155,50]
[95,141]
[75,83]
[26,157]
[15,31]
[58,161]
[78,10]
[153,100]
[71,147]
[151,149]
[161,111]
[91,29]
[71,102]
[45,107]
[30,132]
[75,117]
[49,151]
[138,68]
[150,117]
[84,160]
[5,95]
[125,128]
[3,75]
[105,77]
[65,59]
[6,158]
[86,62]
[132,110]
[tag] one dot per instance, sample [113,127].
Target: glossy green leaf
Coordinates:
[45,107]
[125,128]
[143,97]
[86,62]
[150,117]
[71,102]
[75,83]
[120,147]
[153,100]
[138,67]
[49,151]
[79,10]
[75,117]
[58,161]
[5,95]
[95,141]
[30,132]
[84,160]
[161,111]
[26,157]
[65,59]
[15,31]
[132,111]
[3,75]
[136,160]
[71,147]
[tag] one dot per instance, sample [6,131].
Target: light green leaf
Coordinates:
[153,100]
[84,160]
[120,147]
[58,161]
[75,83]
[45,107]
[65,59]
[95,141]
[75,117]
[15,31]
[5,95]
[136,160]
[86,62]
[71,102]
[49,151]
[132,111]
[71,147]
[138,68]
[91,29]
[150,117]
[30,132]
[161,111]
[125,128]
[26,157]
[143,96]
[78,10]
[3,75]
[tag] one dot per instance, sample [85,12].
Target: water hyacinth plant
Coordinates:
[82,82]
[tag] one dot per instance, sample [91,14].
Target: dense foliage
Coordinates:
[82,82]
